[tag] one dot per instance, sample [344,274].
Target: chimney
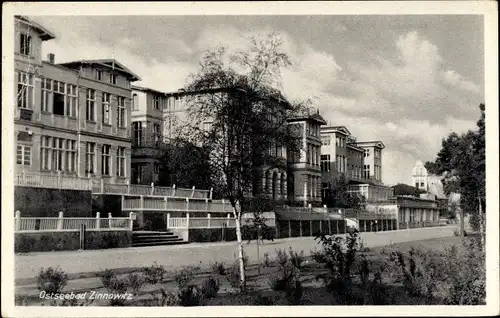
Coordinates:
[51,58]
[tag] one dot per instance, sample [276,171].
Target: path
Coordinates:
[175,256]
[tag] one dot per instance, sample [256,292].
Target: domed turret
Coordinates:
[419,169]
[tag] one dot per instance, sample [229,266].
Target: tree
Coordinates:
[239,95]
[404,189]
[185,164]
[340,197]
[461,161]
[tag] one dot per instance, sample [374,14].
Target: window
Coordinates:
[325,141]
[58,103]
[58,154]
[98,75]
[106,160]
[421,184]
[106,108]
[135,104]
[25,47]
[24,155]
[120,162]
[72,98]
[25,90]
[121,112]
[90,114]
[156,102]
[112,78]
[366,153]
[90,158]
[156,134]
[137,127]
[207,126]
[325,163]
[46,94]
[366,171]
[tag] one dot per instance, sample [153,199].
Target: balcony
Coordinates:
[100,128]
[59,121]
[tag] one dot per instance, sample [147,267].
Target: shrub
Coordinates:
[260,300]
[154,273]
[190,296]
[114,285]
[210,288]
[161,299]
[136,281]
[218,268]
[297,259]
[233,275]
[267,261]
[52,280]
[289,275]
[185,276]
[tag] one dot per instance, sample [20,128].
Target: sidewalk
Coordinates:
[175,256]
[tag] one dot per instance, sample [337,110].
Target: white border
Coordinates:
[486,8]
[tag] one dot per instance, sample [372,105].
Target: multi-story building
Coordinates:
[305,168]
[372,162]
[147,134]
[71,118]
[430,183]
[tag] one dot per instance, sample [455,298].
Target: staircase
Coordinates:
[154,238]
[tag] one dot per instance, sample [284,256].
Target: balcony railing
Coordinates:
[184,204]
[105,186]
[61,223]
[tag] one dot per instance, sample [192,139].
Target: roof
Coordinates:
[107,63]
[376,143]
[340,129]
[353,146]
[314,117]
[146,89]
[45,34]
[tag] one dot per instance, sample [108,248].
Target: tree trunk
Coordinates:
[462,223]
[481,224]
[237,216]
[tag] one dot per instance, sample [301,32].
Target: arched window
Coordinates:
[135,102]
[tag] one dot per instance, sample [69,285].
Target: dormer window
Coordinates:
[25,47]
[98,75]
[112,79]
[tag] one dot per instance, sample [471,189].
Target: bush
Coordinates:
[210,288]
[161,299]
[114,285]
[289,275]
[154,273]
[233,275]
[190,296]
[52,280]
[218,268]
[267,261]
[136,281]
[260,300]
[185,276]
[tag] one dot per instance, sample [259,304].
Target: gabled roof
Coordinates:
[341,129]
[377,143]
[106,63]
[45,34]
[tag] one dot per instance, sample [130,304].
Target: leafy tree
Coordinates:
[238,93]
[461,161]
[186,165]
[404,189]
[340,197]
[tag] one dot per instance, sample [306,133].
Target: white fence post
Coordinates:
[192,192]
[110,216]
[142,203]
[131,220]
[98,220]
[59,179]
[206,204]
[128,186]
[168,218]
[60,221]
[208,221]
[211,192]
[228,219]
[152,188]
[18,221]
[187,204]
[173,193]
[187,220]
[166,203]
[223,203]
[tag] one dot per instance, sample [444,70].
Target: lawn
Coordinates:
[165,284]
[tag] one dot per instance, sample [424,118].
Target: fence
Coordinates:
[61,223]
[100,186]
[150,203]
[206,222]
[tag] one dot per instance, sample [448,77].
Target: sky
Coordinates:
[406,80]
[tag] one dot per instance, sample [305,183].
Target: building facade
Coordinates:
[147,134]
[71,118]
[372,162]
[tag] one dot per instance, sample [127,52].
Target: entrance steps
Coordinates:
[155,238]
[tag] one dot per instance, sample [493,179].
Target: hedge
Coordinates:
[70,240]
[216,235]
